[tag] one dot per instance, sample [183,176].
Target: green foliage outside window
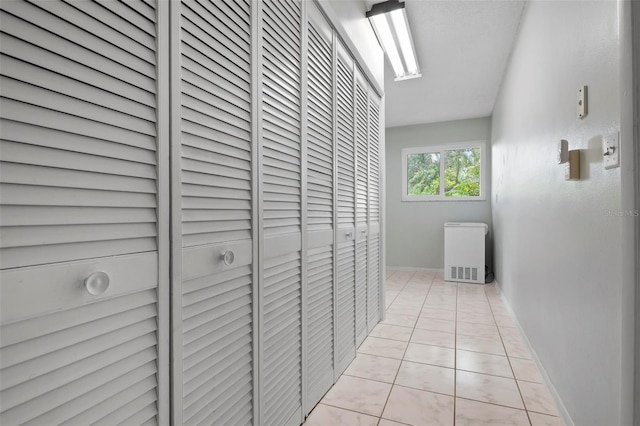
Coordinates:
[423,171]
[461,173]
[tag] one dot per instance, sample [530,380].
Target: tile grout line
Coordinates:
[409,341]
[405,349]
[387,307]
[455,360]
[346,409]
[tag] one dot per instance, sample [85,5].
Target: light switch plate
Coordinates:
[563,151]
[611,151]
[582,102]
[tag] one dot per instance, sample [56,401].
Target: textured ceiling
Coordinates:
[463,48]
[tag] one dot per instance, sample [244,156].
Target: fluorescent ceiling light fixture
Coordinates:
[389,21]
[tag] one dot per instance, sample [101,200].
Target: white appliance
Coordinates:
[464,244]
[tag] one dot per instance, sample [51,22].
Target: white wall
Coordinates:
[350,22]
[558,253]
[415,230]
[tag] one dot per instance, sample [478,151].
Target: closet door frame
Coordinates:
[257,203]
[334,119]
[383,268]
[361,232]
[343,234]
[373,223]
[164,212]
[304,211]
[176,216]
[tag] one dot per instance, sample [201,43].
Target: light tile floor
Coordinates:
[446,354]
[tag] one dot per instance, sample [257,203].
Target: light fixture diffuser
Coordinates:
[385,37]
[389,21]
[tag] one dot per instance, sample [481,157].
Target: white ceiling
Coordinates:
[463,47]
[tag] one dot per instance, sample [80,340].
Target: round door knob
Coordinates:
[349,234]
[97,283]
[228,257]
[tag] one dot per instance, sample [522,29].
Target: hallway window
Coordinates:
[443,173]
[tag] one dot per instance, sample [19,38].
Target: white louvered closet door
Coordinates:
[214,372]
[373,250]
[345,260]
[362,203]
[281,199]
[79,196]
[320,176]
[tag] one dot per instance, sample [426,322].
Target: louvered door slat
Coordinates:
[239,18]
[196,54]
[49,381]
[345,146]
[14,215]
[123,384]
[320,317]
[346,304]
[84,34]
[64,358]
[53,121]
[278,78]
[14,47]
[52,118]
[38,379]
[196,42]
[20,153]
[282,338]
[361,153]
[125,398]
[374,160]
[116,22]
[320,144]
[16,20]
[373,291]
[74,143]
[361,290]
[143,22]
[100,29]
[34,79]
[144,9]
[25,174]
[136,411]
[145,416]
[216,185]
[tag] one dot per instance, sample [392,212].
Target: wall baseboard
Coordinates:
[564,413]
[411,268]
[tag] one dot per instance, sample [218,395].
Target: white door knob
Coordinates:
[97,283]
[228,257]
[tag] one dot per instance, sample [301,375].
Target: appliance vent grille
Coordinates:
[464,273]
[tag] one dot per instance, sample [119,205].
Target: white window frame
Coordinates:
[441,150]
